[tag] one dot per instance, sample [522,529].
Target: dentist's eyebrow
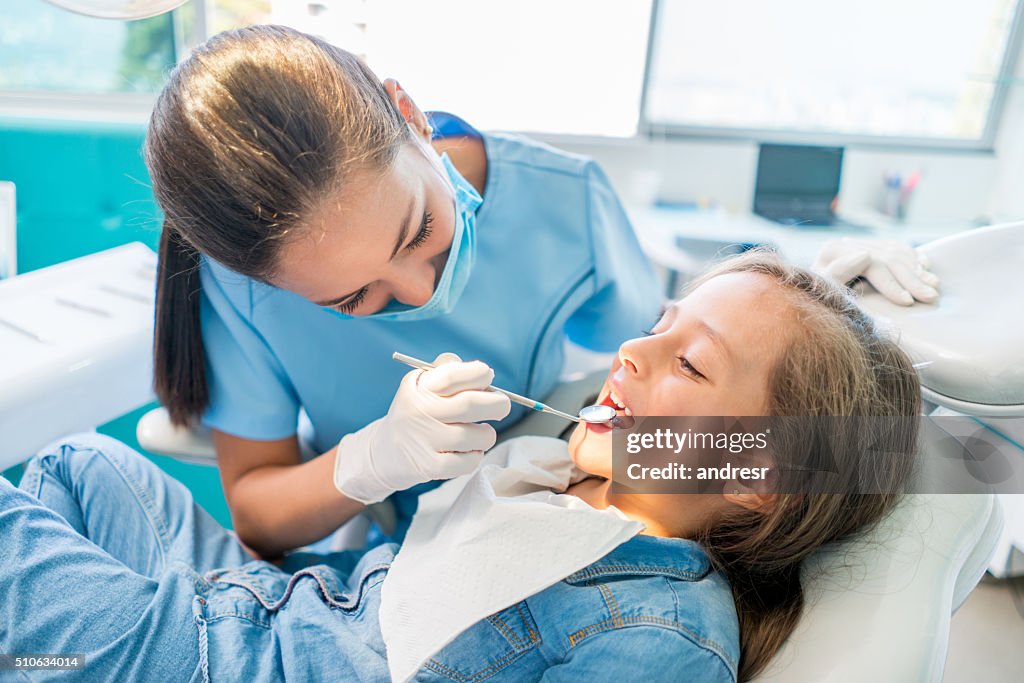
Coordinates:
[402,234]
[406,226]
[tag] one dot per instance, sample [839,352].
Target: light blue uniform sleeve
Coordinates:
[627,296]
[250,394]
[640,653]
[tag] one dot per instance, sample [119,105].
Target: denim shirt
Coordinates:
[650,610]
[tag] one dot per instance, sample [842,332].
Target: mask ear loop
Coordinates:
[425,131]
[432,154]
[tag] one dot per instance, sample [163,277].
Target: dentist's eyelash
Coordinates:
[424,232]
[353,303]
[422,236]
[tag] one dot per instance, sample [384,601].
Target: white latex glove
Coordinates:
[896,270]
[428,433]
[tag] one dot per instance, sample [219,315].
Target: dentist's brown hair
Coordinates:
[836,364]
[250,133]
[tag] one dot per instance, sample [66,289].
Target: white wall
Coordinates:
[956,187]
[1007,196]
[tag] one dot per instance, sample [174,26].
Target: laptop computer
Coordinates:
[798,184]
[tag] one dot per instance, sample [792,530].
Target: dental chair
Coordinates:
[878,608]
[969,348]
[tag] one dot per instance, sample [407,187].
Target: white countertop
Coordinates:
[681,239]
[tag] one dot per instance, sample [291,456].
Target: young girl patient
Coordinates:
[111,558]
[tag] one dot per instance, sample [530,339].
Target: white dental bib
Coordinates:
[485,541]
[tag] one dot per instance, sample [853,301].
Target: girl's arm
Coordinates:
[277,501]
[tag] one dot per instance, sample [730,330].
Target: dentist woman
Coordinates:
[315,220]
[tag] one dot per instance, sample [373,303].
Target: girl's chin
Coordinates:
[591,450]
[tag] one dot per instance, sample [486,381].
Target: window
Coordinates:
[828,71]
[44,48]
[557,66]
[904,69]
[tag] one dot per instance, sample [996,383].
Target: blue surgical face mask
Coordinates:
[456,270]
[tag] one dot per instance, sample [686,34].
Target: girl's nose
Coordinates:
[630,356]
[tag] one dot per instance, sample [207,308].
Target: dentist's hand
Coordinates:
[428,433]
[896,270]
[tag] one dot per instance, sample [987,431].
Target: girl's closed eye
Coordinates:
[688,368]
[653,329]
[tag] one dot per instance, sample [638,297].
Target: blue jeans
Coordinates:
[102,553]
[130,571]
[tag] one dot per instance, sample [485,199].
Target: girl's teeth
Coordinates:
[629,412]
[618,402]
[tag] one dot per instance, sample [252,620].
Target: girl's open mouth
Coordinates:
[623,415]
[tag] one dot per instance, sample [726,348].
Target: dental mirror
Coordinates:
[606,415]
[597,414]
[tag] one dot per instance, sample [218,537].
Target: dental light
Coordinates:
[119,9]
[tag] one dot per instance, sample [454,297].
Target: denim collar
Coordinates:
[679,558]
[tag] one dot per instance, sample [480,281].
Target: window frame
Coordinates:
[114,109]
[985,143]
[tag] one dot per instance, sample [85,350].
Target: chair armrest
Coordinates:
[157,435]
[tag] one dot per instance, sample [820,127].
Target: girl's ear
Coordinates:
[410,112]
[750,499]
[754,494]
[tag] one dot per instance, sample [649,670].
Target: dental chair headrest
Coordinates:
[971,343]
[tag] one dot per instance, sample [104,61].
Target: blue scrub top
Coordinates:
[556,255]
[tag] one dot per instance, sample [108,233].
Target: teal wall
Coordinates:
[82,188]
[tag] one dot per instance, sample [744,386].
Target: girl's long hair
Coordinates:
[837,365]
[252,132]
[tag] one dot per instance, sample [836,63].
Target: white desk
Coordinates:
[76,343]
[683,240]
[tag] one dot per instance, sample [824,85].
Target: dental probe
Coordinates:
[515,398]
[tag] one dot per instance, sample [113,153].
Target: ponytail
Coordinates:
[178,362]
